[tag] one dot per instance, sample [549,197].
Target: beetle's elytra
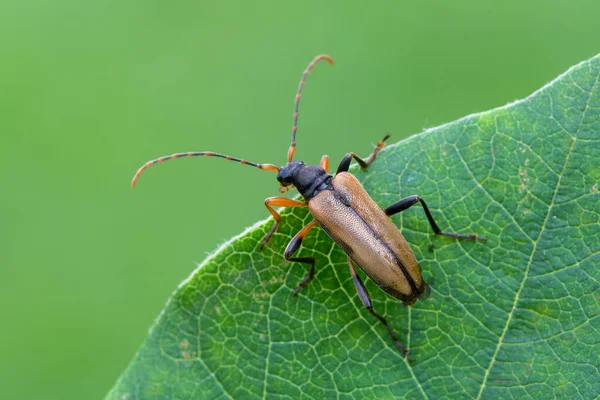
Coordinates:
[340,205]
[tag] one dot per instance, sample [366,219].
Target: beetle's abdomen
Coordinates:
[355,222]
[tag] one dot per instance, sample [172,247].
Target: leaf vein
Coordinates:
[535,243]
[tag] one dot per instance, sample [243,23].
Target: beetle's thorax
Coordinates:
[308,179]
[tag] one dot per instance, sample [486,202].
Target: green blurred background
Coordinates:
[89,91]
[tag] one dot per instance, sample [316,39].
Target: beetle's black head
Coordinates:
[287,172]
[308,179]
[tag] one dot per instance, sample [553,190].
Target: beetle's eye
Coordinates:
[284,179]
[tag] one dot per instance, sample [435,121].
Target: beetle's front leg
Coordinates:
[366,300]
[293,246]
[412,200]
[345,163]
[278,202]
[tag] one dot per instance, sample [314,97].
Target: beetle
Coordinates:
[345,211]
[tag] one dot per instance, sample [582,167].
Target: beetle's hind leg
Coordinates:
[293,246]
[412,200]
[366,300]
[364,164]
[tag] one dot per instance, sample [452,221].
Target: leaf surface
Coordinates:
[516,317]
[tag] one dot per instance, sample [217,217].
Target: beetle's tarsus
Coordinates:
[364,164]
[305,281]
[298,289]
[470,236]
[267,237]
[307,278]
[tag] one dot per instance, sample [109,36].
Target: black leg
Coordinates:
[412,200]
[293,246]
[345,164]
[366,300]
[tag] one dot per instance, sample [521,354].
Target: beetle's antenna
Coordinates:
[292,148]
[266,167]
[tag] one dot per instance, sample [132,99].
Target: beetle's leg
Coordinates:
[345,164]
[366,300]
[325,163]
[278,202]
[412,200]
[293,246]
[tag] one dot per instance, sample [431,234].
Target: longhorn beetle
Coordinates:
[344,210]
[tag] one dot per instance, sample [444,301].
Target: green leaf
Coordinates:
[516,317]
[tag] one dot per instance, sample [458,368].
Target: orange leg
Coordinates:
[325,163]
[293,246]
[278,202]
